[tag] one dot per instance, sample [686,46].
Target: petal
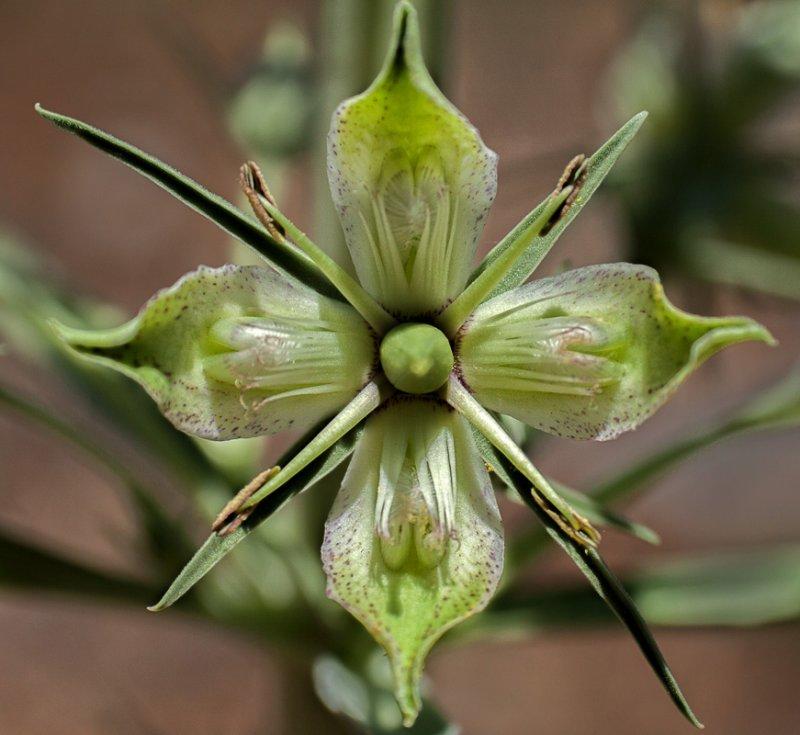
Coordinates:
[235,352]
[412,181]
[591,353]
[414,543]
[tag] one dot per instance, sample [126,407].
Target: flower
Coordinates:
[419,349]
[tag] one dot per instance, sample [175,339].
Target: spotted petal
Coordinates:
[412,181]
[413,544]
[237,352]
[591,353]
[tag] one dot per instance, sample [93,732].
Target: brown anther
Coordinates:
[222,523]
[255,188]
[579,530]
[573,177]
[237,521]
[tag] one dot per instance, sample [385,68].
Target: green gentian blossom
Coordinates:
[419,351]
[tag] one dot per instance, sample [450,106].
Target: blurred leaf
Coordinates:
[526,544]
[742,588]
[719,159]
[224,214]
[342,691]
[369,704]
[216,547]
[167,540]
[27,566]
[600,577]
[29,298]
[778,407]
[743,265]
[598,167]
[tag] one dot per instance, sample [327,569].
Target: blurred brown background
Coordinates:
[529,75]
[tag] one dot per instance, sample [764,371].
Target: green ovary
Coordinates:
[416,358]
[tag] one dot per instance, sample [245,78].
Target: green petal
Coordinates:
[412,181]
[235,352]
[591,353]
[413,544]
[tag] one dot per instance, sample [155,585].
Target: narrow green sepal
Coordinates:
[224,214]
[597,168]
[216,547]
[591,564]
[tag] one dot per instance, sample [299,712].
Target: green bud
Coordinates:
[416,358]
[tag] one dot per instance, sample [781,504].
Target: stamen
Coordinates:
[544,494]
[567,355]
[347,286]
[409,228]
[481,287]
[416,493]
[273,358]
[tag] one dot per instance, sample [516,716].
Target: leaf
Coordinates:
[216,547]
[232,220]
[30,298]
[758,268]
[590,353]
[777,407]
[597,169]
[599,515]
[166,538]
[524,545]
[600,577]
[27,566]
[736,589]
